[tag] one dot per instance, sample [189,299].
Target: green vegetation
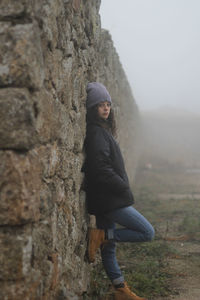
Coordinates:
[144,267]
[190,224]
[98,285]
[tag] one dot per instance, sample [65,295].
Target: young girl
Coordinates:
[108,193]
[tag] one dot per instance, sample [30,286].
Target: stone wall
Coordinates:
[49,50]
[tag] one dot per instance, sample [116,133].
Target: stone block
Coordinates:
[28,288]
[11,8]
[21,60]
[53,121]
[20,181]
[17,119]
[15,254]
[66,164]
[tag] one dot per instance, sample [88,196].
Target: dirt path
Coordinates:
[185,270]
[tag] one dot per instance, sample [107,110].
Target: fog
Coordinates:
[170,138]
[159,46]
[158,43]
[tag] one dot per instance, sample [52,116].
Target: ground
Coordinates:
[171,199]
[169,267]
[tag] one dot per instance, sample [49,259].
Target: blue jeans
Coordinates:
[137,229]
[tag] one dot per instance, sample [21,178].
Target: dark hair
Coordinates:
[92,117]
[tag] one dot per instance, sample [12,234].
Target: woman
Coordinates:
[108,193]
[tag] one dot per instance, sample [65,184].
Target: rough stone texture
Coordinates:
[21,56]
[17,119]
[49,51]
[20,187]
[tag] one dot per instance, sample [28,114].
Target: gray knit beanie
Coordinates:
[96,93]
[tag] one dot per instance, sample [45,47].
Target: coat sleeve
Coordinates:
[100,165]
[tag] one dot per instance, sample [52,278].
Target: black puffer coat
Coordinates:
[107,187]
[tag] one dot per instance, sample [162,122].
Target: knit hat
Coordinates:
[96,93]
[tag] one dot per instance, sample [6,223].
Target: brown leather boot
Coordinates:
[96,239]
[124,293]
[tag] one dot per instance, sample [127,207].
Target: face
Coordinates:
[104,109]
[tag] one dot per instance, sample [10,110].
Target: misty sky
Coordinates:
[158,42]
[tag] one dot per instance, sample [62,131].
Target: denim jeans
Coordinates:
[136,229]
